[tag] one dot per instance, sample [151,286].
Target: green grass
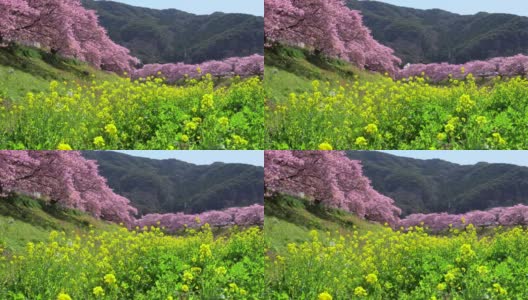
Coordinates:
[290,220]
[23,220]
[25,69]
[292,70]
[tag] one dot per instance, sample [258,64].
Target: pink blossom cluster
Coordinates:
[499,66]
[242,66]
[503,216]
[330,178]
[241,216]
[65,178]
[64,27]
[329,27]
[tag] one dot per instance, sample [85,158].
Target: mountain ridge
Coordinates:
[427,186]
[172,35]
[171,185]
[435,35]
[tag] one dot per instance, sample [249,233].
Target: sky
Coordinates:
[517,7]
[205,157]
[469,157]
[201,7]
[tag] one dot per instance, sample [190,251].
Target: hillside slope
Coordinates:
[290,220]
[289,69]
[163,36]
[24,219]
[423,186]
[26,69]
[436,36]
[162,186]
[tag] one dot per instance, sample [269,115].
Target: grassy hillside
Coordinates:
[292,70]
[24,219]
[26,69]
[171,35]
[290,220]
[437,36]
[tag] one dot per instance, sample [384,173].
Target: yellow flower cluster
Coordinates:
[383,263]
[408,114]
[118,263]
[125,114]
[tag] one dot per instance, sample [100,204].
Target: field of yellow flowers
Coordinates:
[404,114]
[388,264]
[125,114]
[137,264]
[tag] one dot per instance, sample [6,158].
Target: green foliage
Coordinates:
[423,186]
[24,219]
[425,36]
[123,264]
[393,265]
[121,114]
[380,113]
[158,186]
[46,250]
[289,219]
[365,261]
[166,36]
[24,69]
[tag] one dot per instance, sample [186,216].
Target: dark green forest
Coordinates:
[165,36]
[426,36]
[424,186]
[161,186]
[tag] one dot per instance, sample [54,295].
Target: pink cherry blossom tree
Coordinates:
[64,178]
[499,66]
[328,27]
[64,27]
[437,222]
[242,216]
[242,66]
[329,178]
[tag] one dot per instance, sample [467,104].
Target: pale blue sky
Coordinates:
[204,157]
[518,7]
[469,157]
[201,7]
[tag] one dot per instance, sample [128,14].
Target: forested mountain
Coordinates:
[170,35]
[435,35]
[425,186]
[171,185]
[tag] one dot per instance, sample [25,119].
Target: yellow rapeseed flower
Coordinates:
[360,292]
[63,296]
[111,129]
[361,141]
[325,146]
[64,147]
[371,129]
[99,141]
[324,296]
[110,279]
[223,121]
[185,288]
[98,291]
[205,251]
[221,271]
[371,278]
[187,276]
